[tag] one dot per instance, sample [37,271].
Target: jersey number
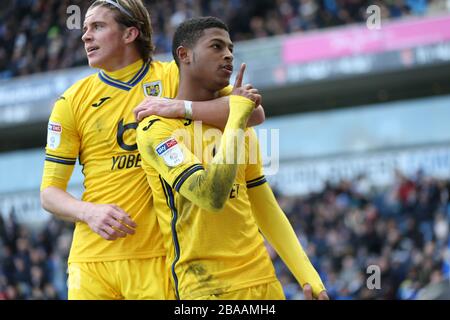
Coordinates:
[121,132]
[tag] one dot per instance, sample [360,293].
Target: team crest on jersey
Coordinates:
[54,135]
[171,152]
[153,89]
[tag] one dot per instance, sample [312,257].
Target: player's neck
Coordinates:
[192,90]
[124,60]
[127,73]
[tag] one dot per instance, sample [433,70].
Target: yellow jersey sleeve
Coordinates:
[254,174]
[163,150]
[62,148]
[275,226]
[226,91]
[171,78]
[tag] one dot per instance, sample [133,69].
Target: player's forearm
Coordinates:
[63,205]
[215,113]
[257,117]
[210,189]
[275,226]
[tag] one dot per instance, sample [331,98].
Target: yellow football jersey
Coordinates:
[209,253]
[93,121]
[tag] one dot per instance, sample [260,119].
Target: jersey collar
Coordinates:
[117,79]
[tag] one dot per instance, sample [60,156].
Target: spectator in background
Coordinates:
[34,36]
[362,231]
[24,267]
[336,234]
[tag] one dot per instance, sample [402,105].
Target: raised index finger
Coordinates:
[240,76]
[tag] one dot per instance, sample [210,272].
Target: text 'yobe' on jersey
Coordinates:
[130,160]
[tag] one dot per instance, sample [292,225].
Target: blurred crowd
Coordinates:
[402,230]
[33,262]
[34,36]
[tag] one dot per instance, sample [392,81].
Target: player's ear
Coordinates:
[183,55]
[130,34]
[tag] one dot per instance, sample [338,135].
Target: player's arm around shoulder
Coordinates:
[214,112]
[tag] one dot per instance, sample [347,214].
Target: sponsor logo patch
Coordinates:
[171,152]
[54,135]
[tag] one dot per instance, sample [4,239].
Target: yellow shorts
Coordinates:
[267,291]
[140,279]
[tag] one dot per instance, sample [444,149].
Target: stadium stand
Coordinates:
[403,229]
[344,228]
[33,263]
[34,37]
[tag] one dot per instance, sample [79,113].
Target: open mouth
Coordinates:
[91,49]
[228,67]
